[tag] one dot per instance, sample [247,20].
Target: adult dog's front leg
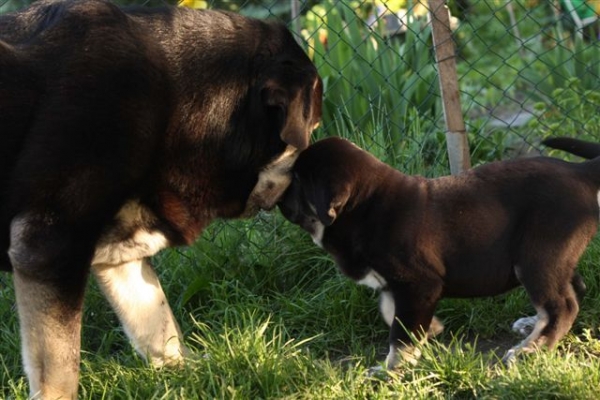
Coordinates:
[50,339]
[135,293]
[49,277]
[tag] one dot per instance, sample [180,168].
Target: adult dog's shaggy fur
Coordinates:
[521,222]
[124,131]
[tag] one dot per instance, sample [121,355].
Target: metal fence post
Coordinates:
[456,136]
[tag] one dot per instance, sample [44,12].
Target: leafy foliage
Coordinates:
[374,85]
[574,112]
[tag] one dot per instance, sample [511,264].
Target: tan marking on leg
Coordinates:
[411,352]
[525,325]
[435,327]
[131,239]
[135,294]
[50,336]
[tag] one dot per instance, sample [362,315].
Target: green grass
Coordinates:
[268,316]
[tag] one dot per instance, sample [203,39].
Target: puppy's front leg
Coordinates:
[135,294]
[413,316]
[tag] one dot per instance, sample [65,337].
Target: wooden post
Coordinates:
[295,16]
[456,136]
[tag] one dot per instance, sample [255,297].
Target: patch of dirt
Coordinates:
[497,345]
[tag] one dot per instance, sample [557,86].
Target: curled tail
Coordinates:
[587,150]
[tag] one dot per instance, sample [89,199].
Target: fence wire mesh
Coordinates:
[527,69]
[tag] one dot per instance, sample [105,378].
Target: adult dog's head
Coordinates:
[247,98]
[289,93]
[274,122]
[246,114]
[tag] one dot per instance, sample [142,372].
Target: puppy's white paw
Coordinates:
[524,326]
[510,357]
[378,371]
[435,328]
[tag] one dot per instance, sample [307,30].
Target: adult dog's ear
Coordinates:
[329,205]
[298,112]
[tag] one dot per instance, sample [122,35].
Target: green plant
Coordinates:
[574,112]
[559,65]
[487,144]
[367,74]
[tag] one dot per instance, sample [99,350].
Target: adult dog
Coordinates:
[520,222]
[125,131]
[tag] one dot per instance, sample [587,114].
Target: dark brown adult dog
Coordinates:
[124,131]
[521,222]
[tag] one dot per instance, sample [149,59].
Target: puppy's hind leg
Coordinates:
[555,299]
[526,325]
[137,297]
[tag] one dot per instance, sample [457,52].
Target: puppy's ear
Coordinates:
[329,206]
[298,112]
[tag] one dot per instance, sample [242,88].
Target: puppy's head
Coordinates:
[324,182]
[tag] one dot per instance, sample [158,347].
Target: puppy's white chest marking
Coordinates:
[598,199]
[131,238]
[373,280]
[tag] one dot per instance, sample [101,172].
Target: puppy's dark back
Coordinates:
[336,159]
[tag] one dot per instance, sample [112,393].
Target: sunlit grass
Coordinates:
[282,323]
[268,316]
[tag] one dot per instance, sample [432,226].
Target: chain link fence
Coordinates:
[525,70]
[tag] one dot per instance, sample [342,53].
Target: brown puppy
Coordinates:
[122,132]
[521,222]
